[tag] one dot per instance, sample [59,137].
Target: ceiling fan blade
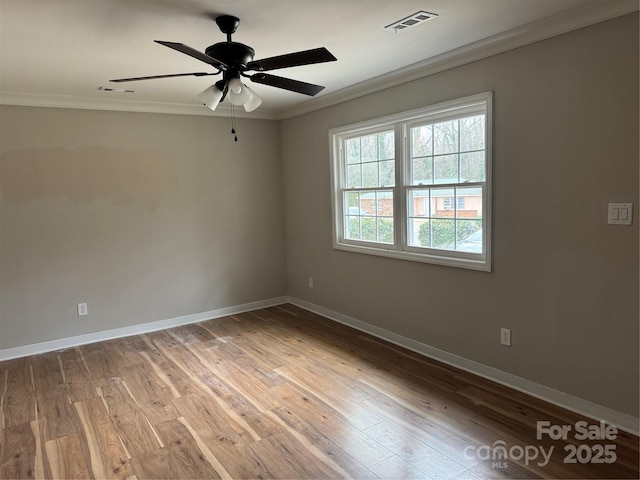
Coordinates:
[133,79]
[287,84]
[305,57]
[182,48]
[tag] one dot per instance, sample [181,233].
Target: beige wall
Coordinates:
[145,217]
[565,282]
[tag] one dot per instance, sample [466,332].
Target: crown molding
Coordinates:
[137,106]
[595,12]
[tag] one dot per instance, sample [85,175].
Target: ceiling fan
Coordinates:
[233,59]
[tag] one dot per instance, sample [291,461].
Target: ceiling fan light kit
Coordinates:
[212,95]
[233,59]
[254,101]
[238,92]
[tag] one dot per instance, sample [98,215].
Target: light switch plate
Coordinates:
[620,213]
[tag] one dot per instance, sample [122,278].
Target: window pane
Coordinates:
[386,146]
[445,169]
[419,203]
[354,176]
[352,228]
[369,148]
[469,202]
[369,216]
[352,149]
[385,230]
[422,171]
[370,160]
[472,167]
[370,175]
[352,203]
[472,133]
[367,204]
[445,137]
[469,236]
[387,173]
[442,203]
[422,141]
[384,203]
[369,229]
[443,233]
[419,234]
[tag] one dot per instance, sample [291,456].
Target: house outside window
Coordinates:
[452,203]
[417,185]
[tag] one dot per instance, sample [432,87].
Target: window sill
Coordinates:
[478,262]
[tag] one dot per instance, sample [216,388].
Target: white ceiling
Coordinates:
[59,52]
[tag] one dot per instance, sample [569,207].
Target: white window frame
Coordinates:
[400,124]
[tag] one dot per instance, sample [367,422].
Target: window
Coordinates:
[417,185]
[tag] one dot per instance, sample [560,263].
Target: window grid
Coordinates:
[439,210]
[436,226]
[367,200]
[438,229]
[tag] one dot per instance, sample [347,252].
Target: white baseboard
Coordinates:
[598,412]
[69,342]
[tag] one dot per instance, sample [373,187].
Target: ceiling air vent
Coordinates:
[117,90]
[411,21]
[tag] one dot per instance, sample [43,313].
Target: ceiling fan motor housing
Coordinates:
[235,55]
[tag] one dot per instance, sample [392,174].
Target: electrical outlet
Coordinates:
[505,337]
[310,282]
[83,309]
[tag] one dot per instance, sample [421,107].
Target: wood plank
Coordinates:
[39,446]
[396,467]
[77,378]
[246,379]
[98,361]
[149,392]
[56,415]
[354,442]
[125,352]
[227,444]
[107,456]
[4,373]
[253,342]
[174,381]
[413,450]
[180,458]
[194,333]
[19,405]
[318,450]
[277,460]
[66,459]
[129,421]
[331,395]
[187,458]
[213,460]
[46,371]
[18,452]
[214,389]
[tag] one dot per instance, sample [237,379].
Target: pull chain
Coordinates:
[233,123]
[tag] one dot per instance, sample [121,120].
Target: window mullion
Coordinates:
[399,193]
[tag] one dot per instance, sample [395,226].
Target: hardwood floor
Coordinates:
[279,393]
